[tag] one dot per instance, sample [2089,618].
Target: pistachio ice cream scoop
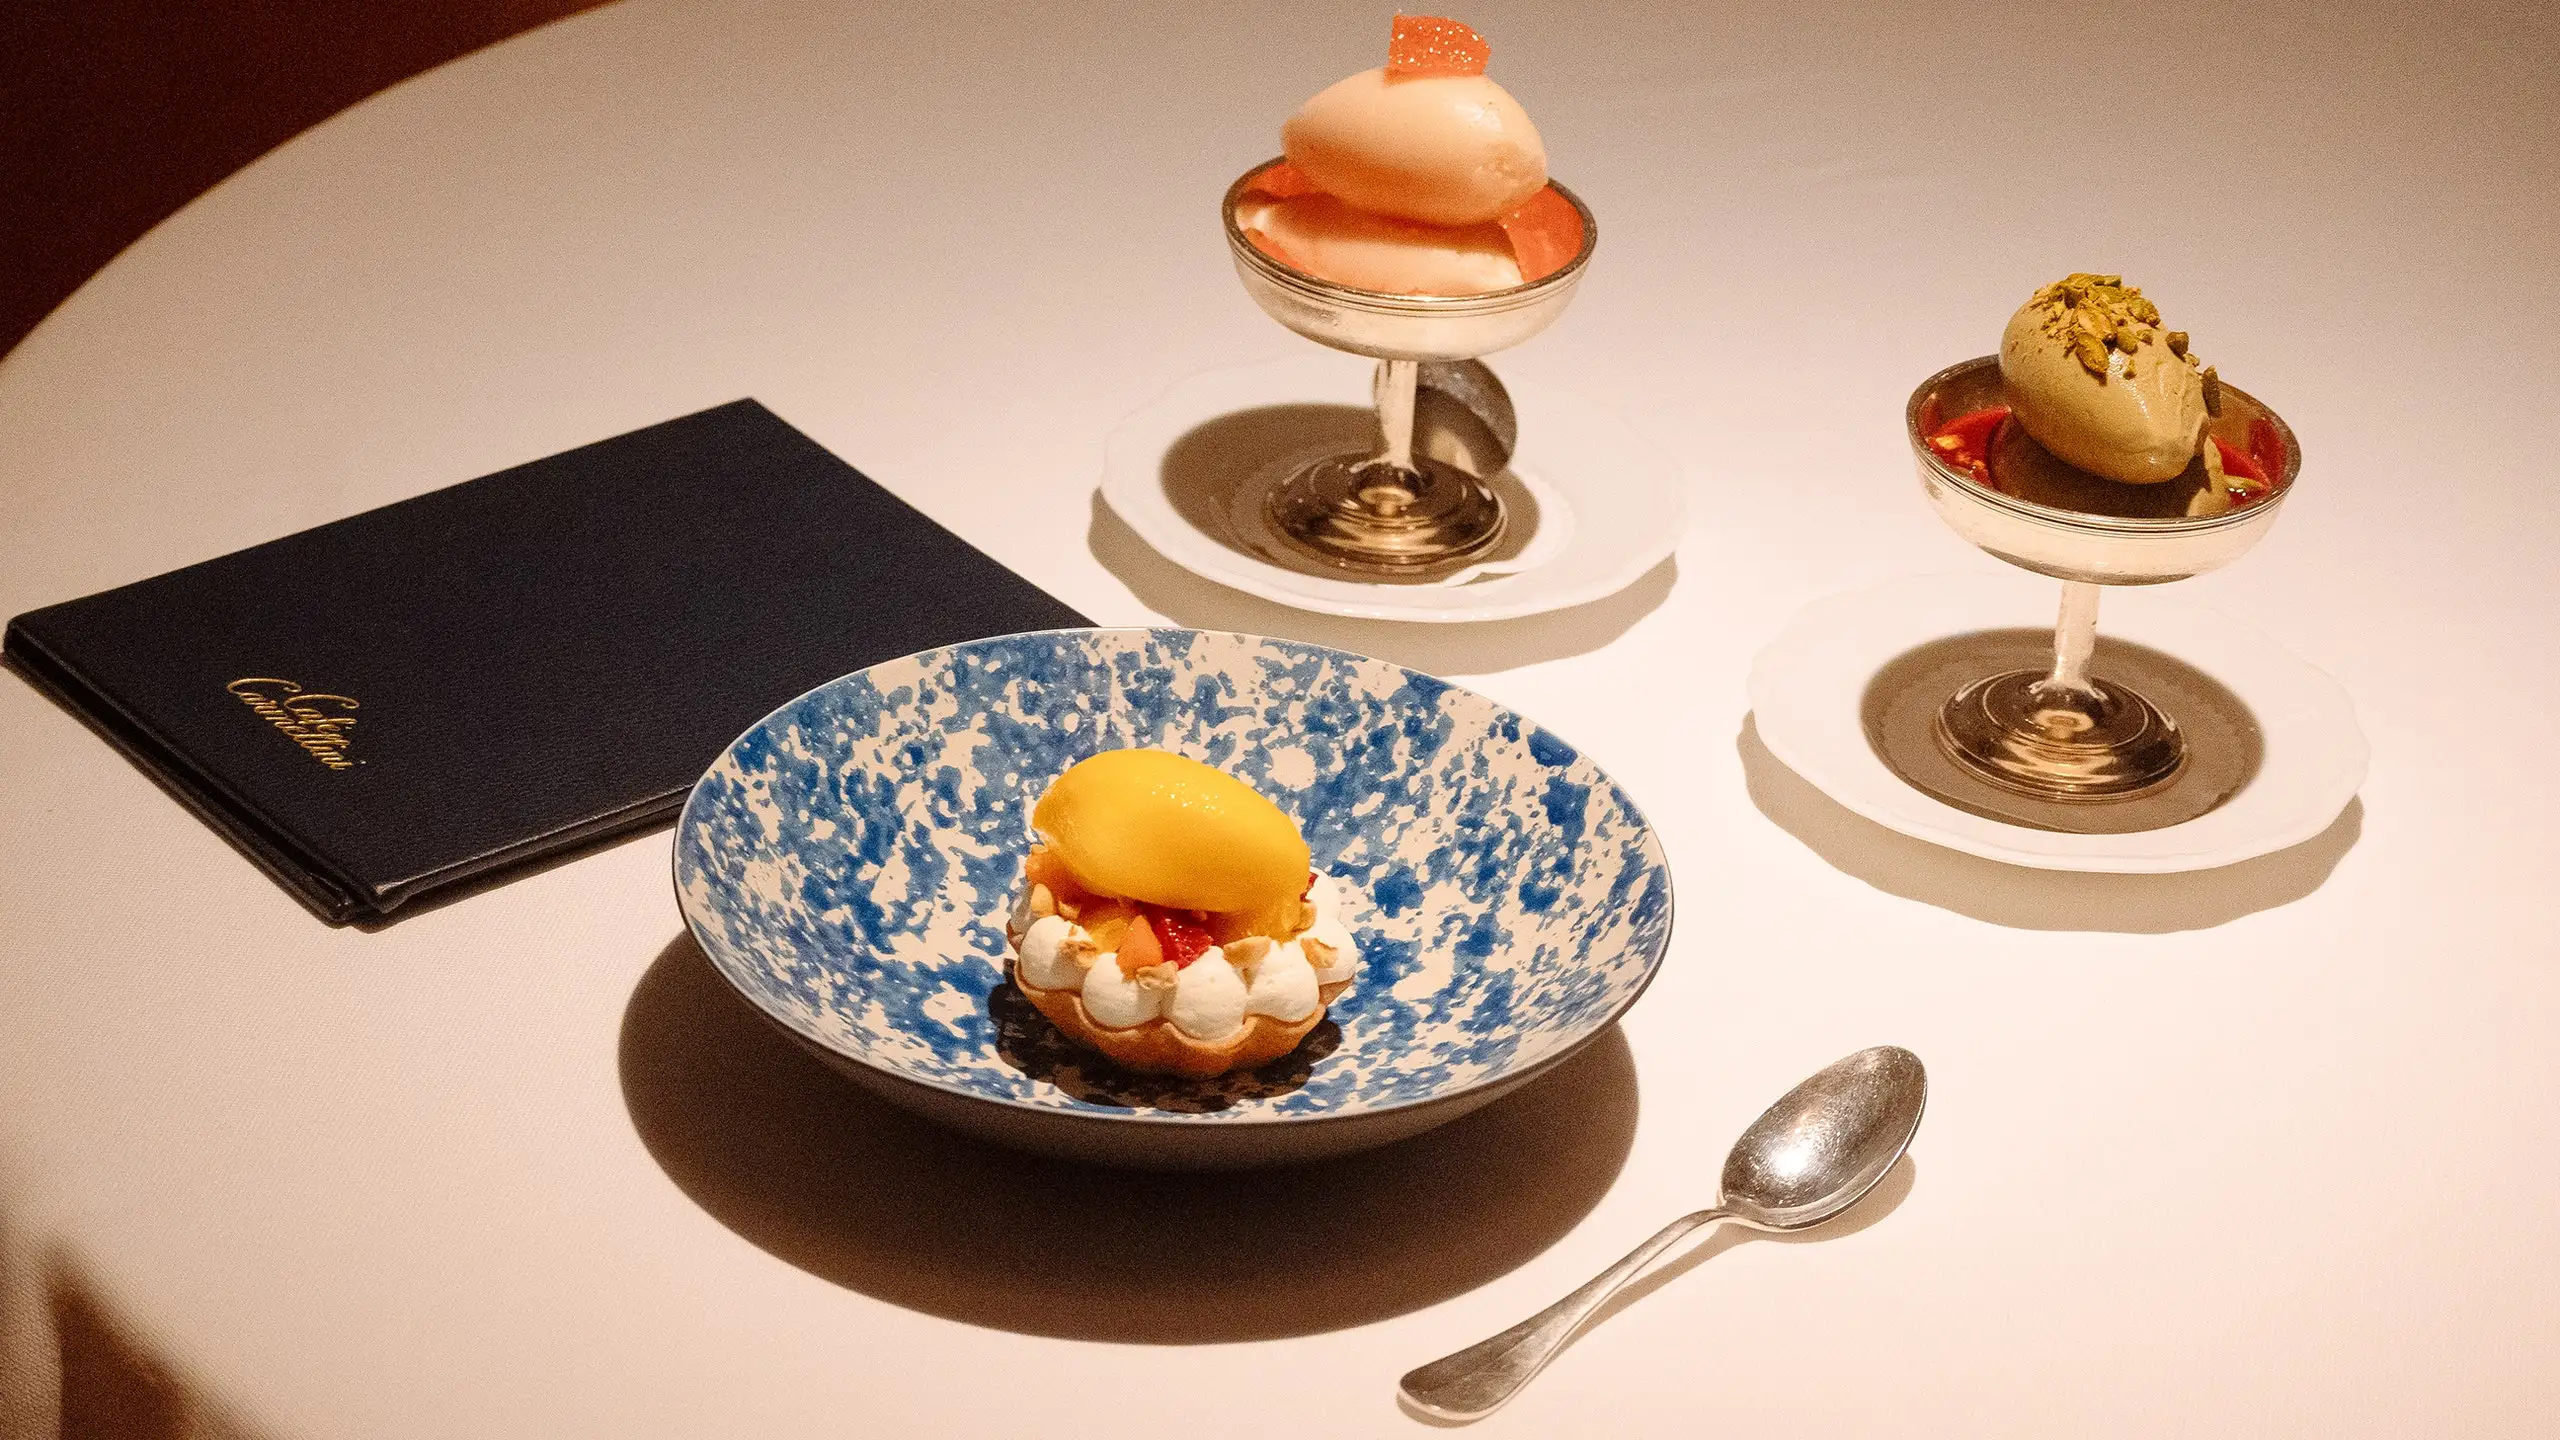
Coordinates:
[2096,380]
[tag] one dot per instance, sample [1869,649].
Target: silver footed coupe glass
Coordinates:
[2065,734]
[1394,514]
[1807,1158]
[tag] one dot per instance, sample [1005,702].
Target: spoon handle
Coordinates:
[1475,1381]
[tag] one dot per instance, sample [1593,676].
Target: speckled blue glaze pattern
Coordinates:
[849,862]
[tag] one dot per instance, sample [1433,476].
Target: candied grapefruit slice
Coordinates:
[1430,45]
[1546,233]
[1282,181]
[1263,242]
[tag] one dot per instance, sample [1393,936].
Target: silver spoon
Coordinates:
[1807,1158]
[1463,416]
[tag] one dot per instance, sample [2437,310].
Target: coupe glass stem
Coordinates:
[2075,634]
[1389,513]
[1394,389]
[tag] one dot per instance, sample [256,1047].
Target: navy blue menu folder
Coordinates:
[435,694]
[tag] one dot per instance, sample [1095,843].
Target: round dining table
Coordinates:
[2269,1149]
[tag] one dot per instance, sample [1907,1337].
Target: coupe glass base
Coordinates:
[2024,734]
[1361,514]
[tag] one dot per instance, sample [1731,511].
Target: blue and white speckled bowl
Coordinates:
[849,862]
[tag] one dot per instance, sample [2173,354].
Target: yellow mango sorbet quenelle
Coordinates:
[1165,829]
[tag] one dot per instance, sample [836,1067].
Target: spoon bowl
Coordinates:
[1463,416]
[1815,1153]
[1827,1142]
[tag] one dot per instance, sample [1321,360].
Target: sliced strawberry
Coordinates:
[1184,938]
[1545,234]
[1430,45]
[2266,446]
[1973,429]
[1965,441]
[2239,464]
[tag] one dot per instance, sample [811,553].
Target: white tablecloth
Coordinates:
[2262,1152]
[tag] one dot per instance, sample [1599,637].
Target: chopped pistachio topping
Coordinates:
[2093,314]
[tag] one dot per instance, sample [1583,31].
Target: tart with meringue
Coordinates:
[1169,920]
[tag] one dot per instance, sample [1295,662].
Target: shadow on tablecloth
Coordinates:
[2029,899]
[807,1166]
[74,1362]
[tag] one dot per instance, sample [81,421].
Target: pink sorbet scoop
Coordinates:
[1441,149]
[1323,236]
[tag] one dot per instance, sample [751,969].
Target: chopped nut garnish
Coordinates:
[1082,951]
[1042,902]
[2178,343]
[1319,954]
[1158,976]
[2093,313]
[1247,951]
[2212,392]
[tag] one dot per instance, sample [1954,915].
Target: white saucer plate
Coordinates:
[1807,685]
[1626,506]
